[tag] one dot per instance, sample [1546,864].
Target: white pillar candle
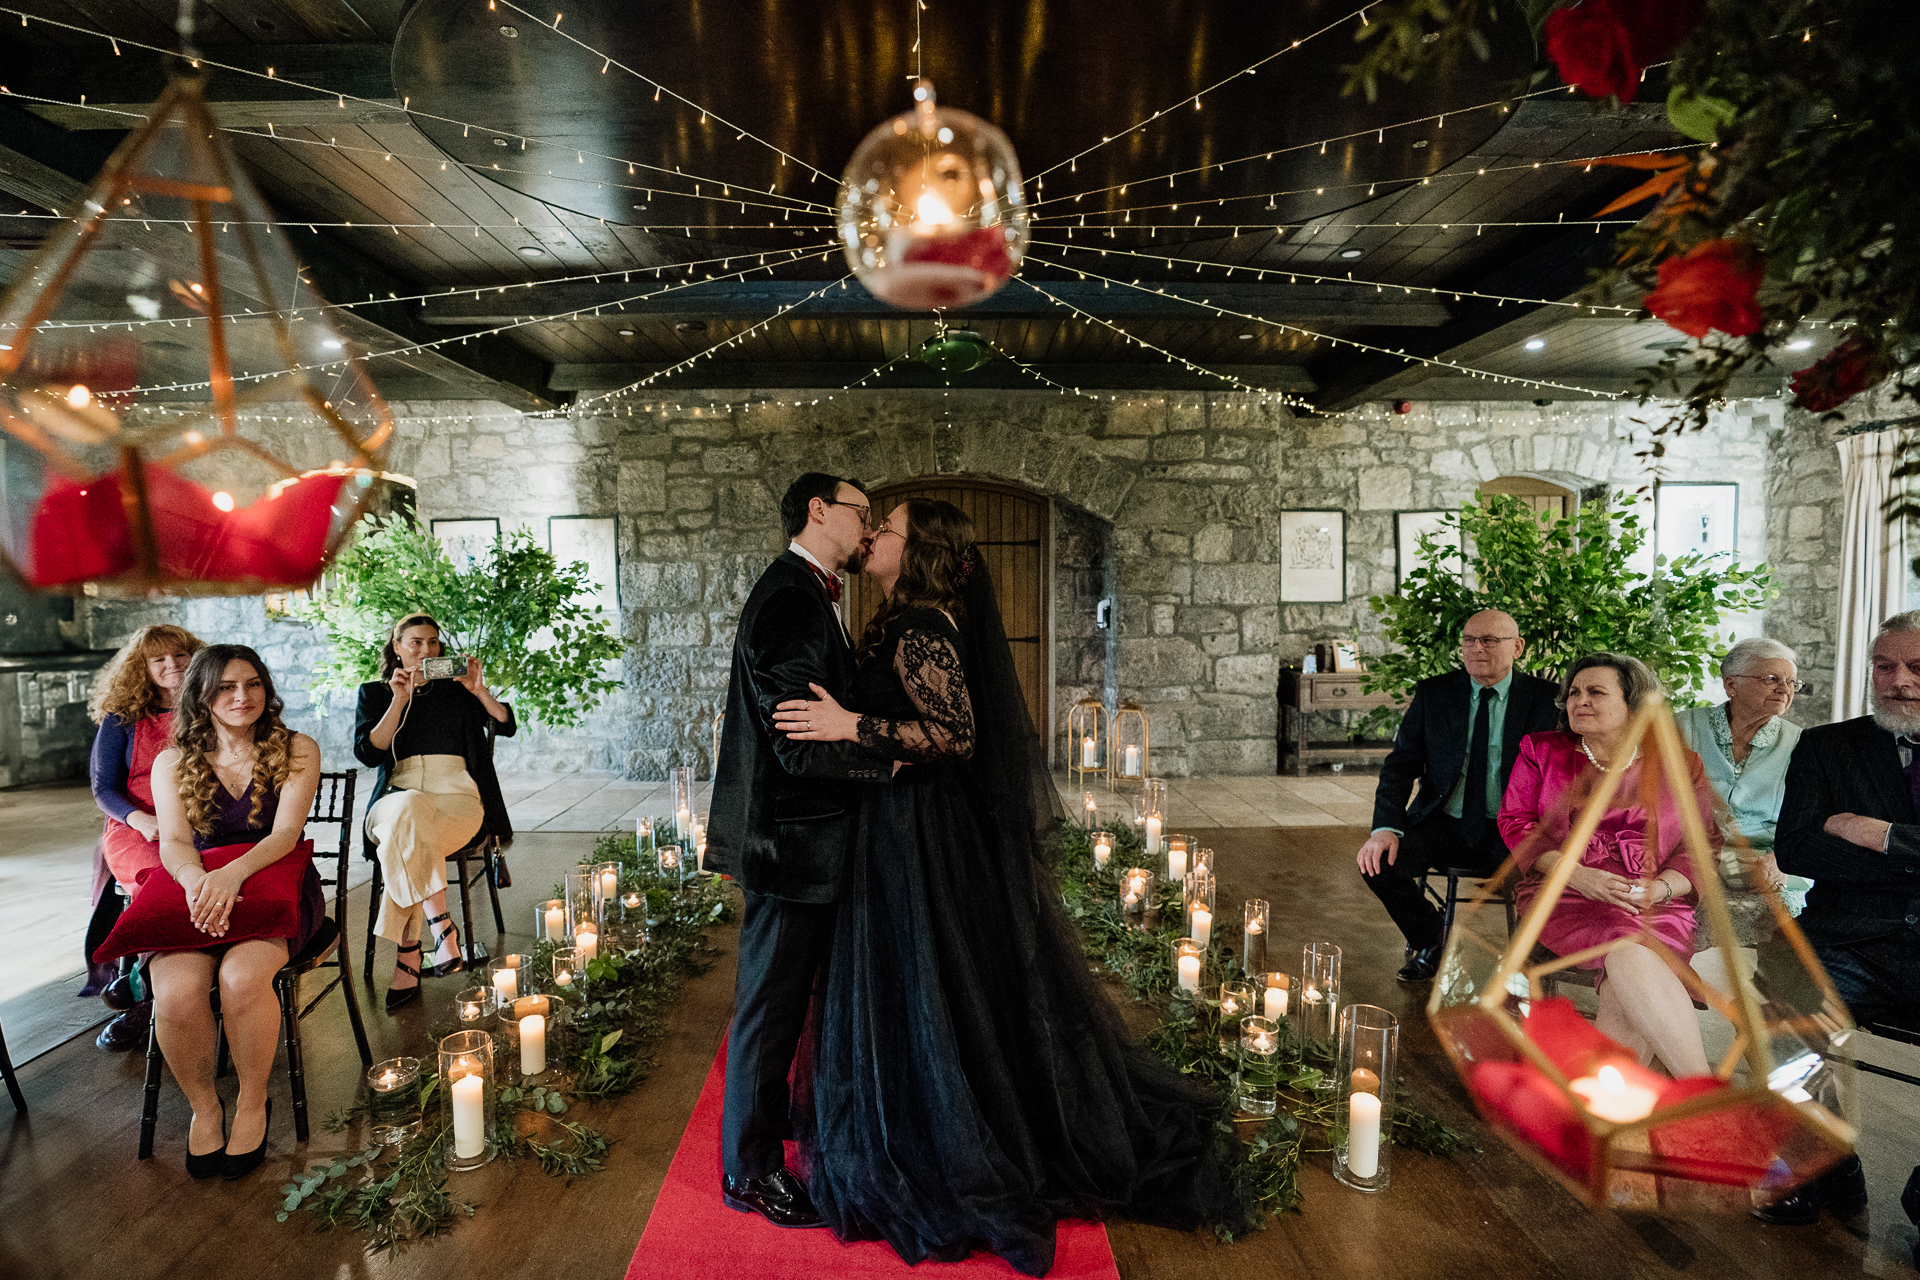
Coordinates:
[506,984]
[587,943]
[1363,1135]
[556,923]
[1177,864]
[1132,767]
[609,883]
[533,1044]
[1200,925]
[682,821]
[1190,973]
[1101,852]
[1086,753]
[469,1116]
[1276,1002]
[1609,1096]
[1153,833]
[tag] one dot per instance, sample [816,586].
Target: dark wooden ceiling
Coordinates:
[393,117]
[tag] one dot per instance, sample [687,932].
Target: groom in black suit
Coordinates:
[1458,739]
[780,823]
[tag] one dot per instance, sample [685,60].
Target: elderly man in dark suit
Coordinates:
[780,824]
[1849,822]
[1458,739]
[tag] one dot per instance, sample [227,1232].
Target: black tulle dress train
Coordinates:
[970,1083]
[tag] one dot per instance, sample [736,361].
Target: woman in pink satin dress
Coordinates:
[1624,886]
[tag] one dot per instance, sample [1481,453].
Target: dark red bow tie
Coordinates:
[827,580]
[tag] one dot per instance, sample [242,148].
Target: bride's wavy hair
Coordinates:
[935,563]
[195,739]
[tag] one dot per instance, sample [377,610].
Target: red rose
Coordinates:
[1711,286]
[1592,51]
[1599,46]
[1839,375]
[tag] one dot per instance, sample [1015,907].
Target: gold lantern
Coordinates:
[1087,755]
[1128,755]
[163,315]
[1775,1110]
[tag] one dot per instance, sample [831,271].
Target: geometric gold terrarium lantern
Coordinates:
[1777,1108]
[1087,756]
[1129,753]
[178,411]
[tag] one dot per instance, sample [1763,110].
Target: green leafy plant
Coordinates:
[1567,582]
[519,611]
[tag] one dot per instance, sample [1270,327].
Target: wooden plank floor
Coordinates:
[74,1201]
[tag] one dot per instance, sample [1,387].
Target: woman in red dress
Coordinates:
[1624,887]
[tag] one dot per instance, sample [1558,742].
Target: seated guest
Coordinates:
[1849,823]
[1642,1004]
[432,742]
[1458,739]
[133,705]
[233,775]
[1745,744]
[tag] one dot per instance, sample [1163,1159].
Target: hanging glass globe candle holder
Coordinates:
[931,211]
[178,410]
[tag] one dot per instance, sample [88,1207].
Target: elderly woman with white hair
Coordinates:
[1745,744]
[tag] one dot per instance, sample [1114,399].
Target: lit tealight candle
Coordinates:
[564,978]
[1609,1096]
[1363,1134]
[631,901]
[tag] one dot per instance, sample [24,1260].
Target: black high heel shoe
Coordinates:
[209,1164]
[400,998]
[459,961]
[239,1166]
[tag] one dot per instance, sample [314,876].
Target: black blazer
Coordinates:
[1857,894]
[478,730]
[1431,747]
[782,811]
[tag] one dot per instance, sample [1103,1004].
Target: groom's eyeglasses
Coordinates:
[866,512]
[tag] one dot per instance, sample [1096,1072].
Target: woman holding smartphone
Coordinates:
[431,741]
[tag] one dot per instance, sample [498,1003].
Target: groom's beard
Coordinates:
[856,562]
[1897,715]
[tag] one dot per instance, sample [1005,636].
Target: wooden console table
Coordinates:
[1323,691]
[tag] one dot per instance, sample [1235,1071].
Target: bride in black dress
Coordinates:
[970,1083]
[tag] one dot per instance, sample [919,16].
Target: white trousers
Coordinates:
[433,809]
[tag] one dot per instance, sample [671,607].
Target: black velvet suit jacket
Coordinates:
[1857,894]
[1431,747]
[782,811]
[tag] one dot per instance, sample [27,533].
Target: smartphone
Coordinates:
[450,668]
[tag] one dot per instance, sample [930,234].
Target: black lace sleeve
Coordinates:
[929,668]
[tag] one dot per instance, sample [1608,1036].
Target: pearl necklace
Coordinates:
[1603,768]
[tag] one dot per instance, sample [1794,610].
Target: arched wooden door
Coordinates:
[1013,527]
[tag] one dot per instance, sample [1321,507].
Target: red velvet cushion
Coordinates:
[157,918]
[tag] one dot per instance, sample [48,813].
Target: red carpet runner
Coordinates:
[691,1232]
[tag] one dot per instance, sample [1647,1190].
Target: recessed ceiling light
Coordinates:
[1246,337]
[331,344]
[1351,253]
[1800,344]
[499,142]
[510,32]
[625,333]
[1536,344]
[532,251]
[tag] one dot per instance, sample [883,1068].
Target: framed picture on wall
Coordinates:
[468,542]
[1313,557]
[1408,528]
[595,541]
[1690,518]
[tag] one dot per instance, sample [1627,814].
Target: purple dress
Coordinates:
[230,826]
[1550,781]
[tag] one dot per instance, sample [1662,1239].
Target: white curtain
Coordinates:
[1873,563]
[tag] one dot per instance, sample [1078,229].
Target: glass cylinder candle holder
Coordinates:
[582,901]
[1253,935]
[466,1079]
[1259,1065]
[700,843]
[550,920]
[1177,848]
[1102,848]
[670,860]
[1153,810]
[1188,956]
[1238,1001]
[507,975]
[606,883]
[1200,857]
[393,1100]
[643,838]
[569,975]
[1136,890]
[627,921]
[473,1008]
[680,801]
[1277,987]
[1319,994]
[1364,1073]
[1198,903]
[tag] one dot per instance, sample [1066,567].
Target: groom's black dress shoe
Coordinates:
[1421,964]
[778,1197]
[1841,1188]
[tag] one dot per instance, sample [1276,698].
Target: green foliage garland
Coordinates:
[1139,952]
[396,1196]
[495,610]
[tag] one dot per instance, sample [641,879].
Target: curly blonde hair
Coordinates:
[195,739]
[123,688]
